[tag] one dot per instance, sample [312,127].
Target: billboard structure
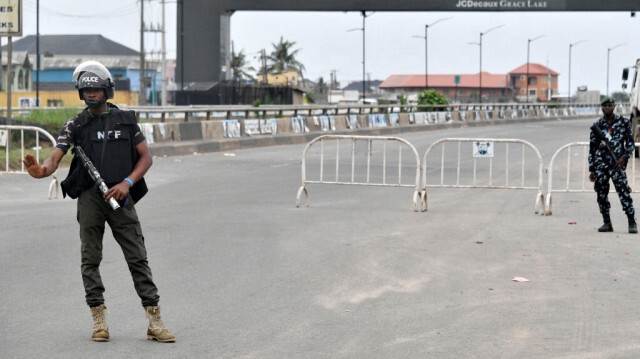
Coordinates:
[204,38]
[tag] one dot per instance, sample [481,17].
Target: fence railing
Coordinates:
[483,149]
[574,175]
[463,111]
[6,141]
[368,163]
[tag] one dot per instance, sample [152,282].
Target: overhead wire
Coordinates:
[127,10]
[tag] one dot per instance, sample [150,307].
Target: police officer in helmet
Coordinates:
[112,140]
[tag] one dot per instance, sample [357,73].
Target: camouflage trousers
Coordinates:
[601,186]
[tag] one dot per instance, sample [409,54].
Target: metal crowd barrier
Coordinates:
[480,143]
[361,168]
[576,173]
[5,141]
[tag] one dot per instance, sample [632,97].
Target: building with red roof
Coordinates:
[466,87]
[543,82]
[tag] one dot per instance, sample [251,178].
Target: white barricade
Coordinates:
[574,175]
[5,141]
[484,149]
[372,161]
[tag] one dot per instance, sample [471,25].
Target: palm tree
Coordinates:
[283,58]
[239,66]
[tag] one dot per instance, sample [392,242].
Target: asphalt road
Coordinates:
[243,273]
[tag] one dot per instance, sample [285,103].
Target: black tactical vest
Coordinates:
[108,141]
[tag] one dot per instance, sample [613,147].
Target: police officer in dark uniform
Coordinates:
[112,140]
[602,167]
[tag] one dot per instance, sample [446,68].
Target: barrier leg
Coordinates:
[306,196]
[53,187]
[539,203]
[423,196]
[548,210]
[416,199]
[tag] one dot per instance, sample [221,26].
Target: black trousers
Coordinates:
[92,215]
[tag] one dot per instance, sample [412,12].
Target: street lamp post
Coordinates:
[529,41]
[608,52]
[426,51]
[480,45]
[570,47]
[364,17]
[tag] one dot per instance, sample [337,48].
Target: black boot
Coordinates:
[633,228]
[606,227]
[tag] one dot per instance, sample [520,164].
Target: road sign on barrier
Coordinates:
[3,138]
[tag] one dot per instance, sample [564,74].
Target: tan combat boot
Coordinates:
[100,329]
[157,330]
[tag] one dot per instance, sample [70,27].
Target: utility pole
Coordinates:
[143,92]
[330,85]
[264,66]
[608,53]
[529,41]
[38,53]
[548,81]
[426,50]
[151,27]
[9,76]
[363,29]
[570,99]
[163,97]
[480,84]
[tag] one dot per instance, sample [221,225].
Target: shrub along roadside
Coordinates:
[51,120]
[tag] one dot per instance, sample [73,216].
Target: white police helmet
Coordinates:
[95,69]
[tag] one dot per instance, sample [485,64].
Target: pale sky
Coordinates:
[326,43]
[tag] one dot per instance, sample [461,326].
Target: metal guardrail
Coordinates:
[576,173]
[209,112]
[366,179]
[539,202]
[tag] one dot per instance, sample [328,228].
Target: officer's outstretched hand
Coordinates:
[34,169]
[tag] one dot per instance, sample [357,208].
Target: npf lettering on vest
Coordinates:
[112,134]
[89,79]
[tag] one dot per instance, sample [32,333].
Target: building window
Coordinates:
[533,80]
[532,91]
[20,80]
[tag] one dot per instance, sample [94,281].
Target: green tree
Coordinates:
[431,97]
[283,58]
[239,67]
[620,96]
[402,99]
